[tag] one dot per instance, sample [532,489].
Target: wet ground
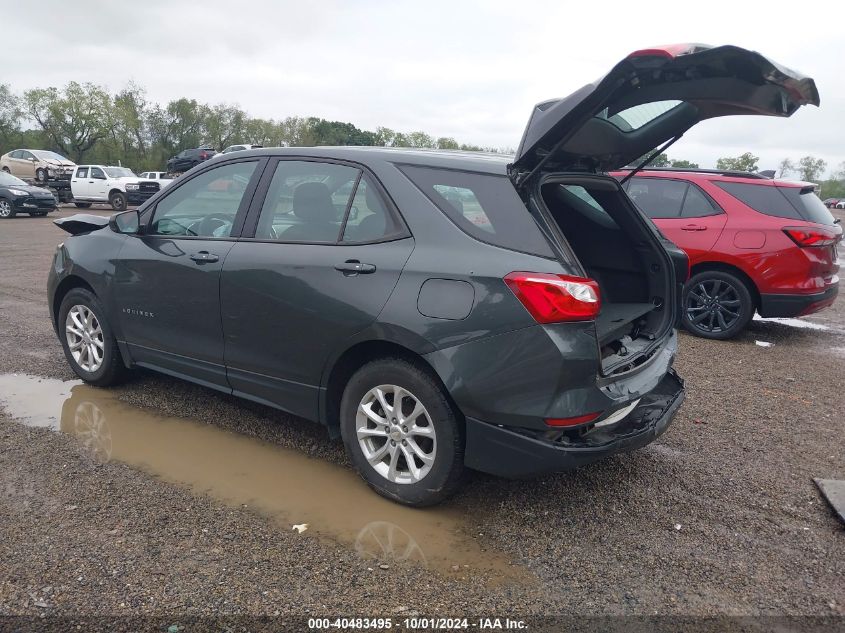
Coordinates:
[161,497]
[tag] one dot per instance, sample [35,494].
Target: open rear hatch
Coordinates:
[645,103]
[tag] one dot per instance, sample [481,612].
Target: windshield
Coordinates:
[47,155]
[8,180]
[119,172]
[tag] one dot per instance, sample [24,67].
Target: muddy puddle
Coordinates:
[281,483]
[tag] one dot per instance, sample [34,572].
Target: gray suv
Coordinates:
[439,311]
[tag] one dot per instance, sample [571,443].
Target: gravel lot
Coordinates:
[720,517]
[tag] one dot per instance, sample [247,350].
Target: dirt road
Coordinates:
[131,509]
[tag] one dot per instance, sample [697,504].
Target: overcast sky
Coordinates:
[466,69]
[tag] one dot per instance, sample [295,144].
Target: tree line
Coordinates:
[87,123]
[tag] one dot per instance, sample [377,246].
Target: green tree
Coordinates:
[810,168]
[445,142]
[10,116]
[786,166]
[745,162]
[224,125]
[75,119]
[661,160]
[683,164]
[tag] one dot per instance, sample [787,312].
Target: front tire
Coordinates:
[41,175]
[88,341]
[716,305]
[402,433]
[117,200]
[6,209]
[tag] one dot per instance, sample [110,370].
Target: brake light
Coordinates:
[580,419]
[554,298]
[669,51]
[805,236]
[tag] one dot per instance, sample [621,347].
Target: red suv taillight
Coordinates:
[554,298]
[203,155]
[806,236]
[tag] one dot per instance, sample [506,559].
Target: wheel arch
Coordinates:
[65,286]
[734,270]
[352,359]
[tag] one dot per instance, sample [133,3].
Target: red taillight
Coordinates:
[668,51]
[203,155]
[580,419]
[553,298]
[806,236]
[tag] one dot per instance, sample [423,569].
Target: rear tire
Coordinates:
[716,305]
[83,205]
[88,341]
[413,453]
[6,209]
[117,200]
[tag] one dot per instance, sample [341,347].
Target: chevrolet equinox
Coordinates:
[438,311]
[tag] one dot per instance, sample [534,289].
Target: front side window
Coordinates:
[48,155]
[485,206]
[206,205]
[307,201]
[658,197]
[96,172]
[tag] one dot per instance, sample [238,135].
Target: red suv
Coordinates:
[753,243]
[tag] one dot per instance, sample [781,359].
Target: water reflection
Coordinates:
[282,483]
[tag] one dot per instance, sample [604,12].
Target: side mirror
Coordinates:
[127,222]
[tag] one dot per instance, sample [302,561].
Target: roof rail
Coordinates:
[719,172]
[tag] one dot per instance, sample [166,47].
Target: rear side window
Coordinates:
[808,204]
[485,206]
[762,198]
[82,172]
[697,205]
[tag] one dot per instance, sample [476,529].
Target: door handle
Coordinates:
[90,182]
[354,267]
[693,227]
[204,257]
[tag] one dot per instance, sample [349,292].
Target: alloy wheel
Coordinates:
[713,305]
[5,209]
[396,434]
[85,338]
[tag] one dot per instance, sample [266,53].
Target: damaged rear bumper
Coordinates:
[516,454]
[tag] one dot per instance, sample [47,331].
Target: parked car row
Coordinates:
[441,311]
[17,196]
[835,203]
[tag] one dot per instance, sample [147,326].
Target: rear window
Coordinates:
[485,206]
[808,204]
[793,203]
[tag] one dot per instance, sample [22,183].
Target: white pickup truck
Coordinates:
[117,186]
